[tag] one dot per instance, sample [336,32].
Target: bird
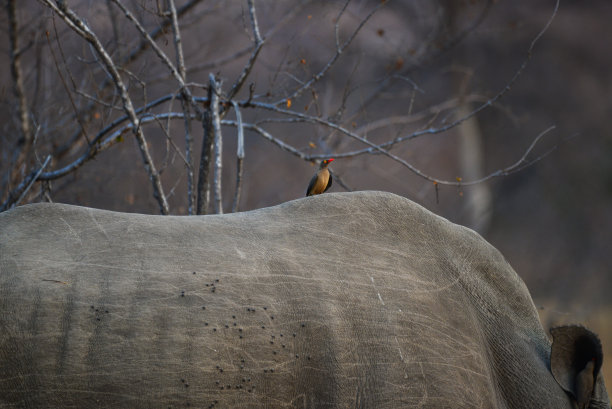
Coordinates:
[584,384]
[321,181]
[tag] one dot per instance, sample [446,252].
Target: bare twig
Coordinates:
[379,149]
[160,53]
[18,89]
[17,194]
[36,175]
[130,58]
[207,144]
[239,157]
[218,143]
[266,135]
[339,50]
[180,61]
[251,62]
[75,22]
[59,73]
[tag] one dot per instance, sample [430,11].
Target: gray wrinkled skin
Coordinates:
[352,300]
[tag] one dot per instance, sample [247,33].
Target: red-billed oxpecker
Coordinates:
[321,181]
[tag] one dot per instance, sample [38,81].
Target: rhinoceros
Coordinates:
[348,300]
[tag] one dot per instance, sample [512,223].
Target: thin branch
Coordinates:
[43,166]
[19,91]
[66,88]
[218,143]
[205,162]
[180,60]
[160,53]
[17,194]
[239,157]
[266,135]
[84,31]
[379,149]
[251,62]
[339,50]
[100,144]
[130,58]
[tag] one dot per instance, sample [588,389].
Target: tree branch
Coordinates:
[84,31]
[249,65]
[205,162]
[239,157]
[218,143]
[180,60]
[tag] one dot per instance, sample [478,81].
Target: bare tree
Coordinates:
[125,66]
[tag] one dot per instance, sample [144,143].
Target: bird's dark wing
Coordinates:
[329,182]
[311,185]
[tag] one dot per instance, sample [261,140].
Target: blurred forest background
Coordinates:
[415,97]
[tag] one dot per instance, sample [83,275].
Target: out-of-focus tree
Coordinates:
[315,79]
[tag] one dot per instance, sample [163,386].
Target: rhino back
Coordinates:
[340,300]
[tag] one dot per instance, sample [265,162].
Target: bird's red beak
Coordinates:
[330,160]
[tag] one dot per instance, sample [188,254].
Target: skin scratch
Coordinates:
[55,281]
[377,293]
